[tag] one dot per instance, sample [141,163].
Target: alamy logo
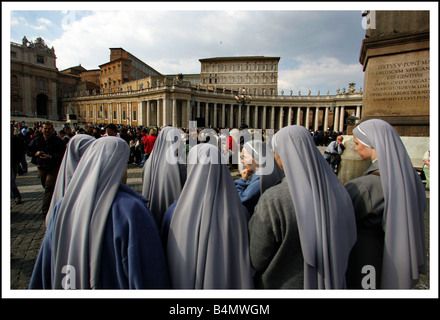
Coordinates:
[69,280]
[369,281]
[369,19]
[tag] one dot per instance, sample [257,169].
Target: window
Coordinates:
[13,54]
[256,67]
[105,114]
[123,115]
[40,84]
[264,67]
[239,68]
[247,67]
[114,114]
[223,67]
[134,115]
[231,68]
[40,59]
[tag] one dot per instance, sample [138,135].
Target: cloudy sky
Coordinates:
[318,43]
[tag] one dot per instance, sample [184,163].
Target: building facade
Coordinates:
[122,67]
[257,74]
[36,84]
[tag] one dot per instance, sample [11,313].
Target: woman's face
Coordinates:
[365,152]
[247,160]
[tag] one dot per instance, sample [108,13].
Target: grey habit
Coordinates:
[208,245]
[76,147]
[80,224]
[405,203]
[323,208]
[164,175]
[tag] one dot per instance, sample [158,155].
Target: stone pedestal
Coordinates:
[351,165]
[395,56]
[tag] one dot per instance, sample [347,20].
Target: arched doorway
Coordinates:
[42,105]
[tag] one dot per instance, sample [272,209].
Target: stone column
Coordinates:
[231,116]
[336,119]
[326,119]
[290,115]
[306,124]
[223,118]
[188,113]
[174,114]
[316,120]
[206,114]
[358,113]
[159,113]
[341,118]
[256,117]
[198,109]
[281,117]
[264,117]
[298,116]
[214,124]
[247,116]
[28,108]
[239,115]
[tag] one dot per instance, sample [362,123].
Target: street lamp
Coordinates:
[243,99]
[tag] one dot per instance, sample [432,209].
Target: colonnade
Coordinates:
[179,107]
[229,115]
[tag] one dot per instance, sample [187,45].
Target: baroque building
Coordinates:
[37,86]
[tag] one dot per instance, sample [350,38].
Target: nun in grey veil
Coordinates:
[164,175]
[208,245]
[323,209]
[76,147]
[404,252]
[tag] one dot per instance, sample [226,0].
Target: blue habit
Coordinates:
[132,253]
[249,191]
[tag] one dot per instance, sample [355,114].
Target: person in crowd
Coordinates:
[303,228]
[101,235]
[163,175]
[89,129]
[141,147]
[426,165]
[207,241]
[76,147]
[18,148]
[333,153]
[25,134]
[47,151]
[64,136]
[389,202]
[248,186]
[111,130]
[69,131]
[149,142]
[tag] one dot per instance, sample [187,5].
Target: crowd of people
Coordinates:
[287,222]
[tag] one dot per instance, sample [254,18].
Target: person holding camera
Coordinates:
[47,151]
[333,153]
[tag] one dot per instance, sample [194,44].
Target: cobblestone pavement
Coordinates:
[27,225]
